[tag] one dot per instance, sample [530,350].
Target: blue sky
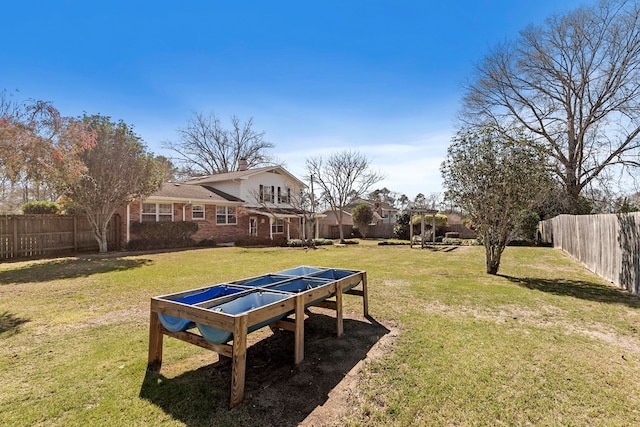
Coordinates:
[381,77]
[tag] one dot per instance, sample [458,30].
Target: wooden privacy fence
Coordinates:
[24,236]
[608,244]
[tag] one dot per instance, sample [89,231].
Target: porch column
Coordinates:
[270,228]
[317,226]
[288,228]
[433,228]
[128,222]
[304,228]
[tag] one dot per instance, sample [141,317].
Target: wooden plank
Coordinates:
[155,343]
[299,330]
[270,311]
[239,360]
[286,324]
[365,294]
[327,304]
[191,338]
[339,321]
[196,314]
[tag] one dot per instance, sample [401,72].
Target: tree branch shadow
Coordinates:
[629,240]
[10,324]
[578,289]
[68,269]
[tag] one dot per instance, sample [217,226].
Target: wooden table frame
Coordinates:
[239,324]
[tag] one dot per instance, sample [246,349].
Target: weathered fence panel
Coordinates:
[608,244]
[23,236]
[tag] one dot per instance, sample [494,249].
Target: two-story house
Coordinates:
[259,202]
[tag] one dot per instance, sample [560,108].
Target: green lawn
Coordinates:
[545,343]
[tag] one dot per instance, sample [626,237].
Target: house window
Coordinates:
[267,193]
[197,212]
[156,212]
[277,226]
[284,196]
[225,215]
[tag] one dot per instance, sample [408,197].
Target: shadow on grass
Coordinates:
[277,392]
[440,248]
[68,269]
[10,324]
[579,289]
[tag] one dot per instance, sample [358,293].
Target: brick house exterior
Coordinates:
[256,202]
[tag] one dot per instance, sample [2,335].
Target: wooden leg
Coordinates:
[339,320]
[365,294]
[239,360]
[155,343]
[299,331]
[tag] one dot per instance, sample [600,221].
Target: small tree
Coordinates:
[343,176]
[118,170]
[493,177]
[362,216]
[39,148]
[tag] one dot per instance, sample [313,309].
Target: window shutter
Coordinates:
[261,193]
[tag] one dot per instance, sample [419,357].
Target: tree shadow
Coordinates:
[68,269]
[440,248]
[629,240]
[277,392]
[578,289]
[10,324]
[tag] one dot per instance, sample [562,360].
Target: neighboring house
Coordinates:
[328,225]
[258,202]
[384,219]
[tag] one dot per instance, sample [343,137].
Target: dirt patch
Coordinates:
[319,391]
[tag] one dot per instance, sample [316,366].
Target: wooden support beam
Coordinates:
[365,294]
[155,343]
[239,360]
[339,320]
[299,330]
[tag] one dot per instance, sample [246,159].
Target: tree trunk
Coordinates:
[493,252]
[102,243]
[573,198]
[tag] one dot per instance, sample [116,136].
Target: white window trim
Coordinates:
[157,211]
[203,212]
[274,226]
[227,215]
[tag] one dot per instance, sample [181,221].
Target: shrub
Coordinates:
[206,243]
[162,235]
[350,242]
[249,241]
[452,241]
[393,243]
[322,242]
[41,208]
[300,243]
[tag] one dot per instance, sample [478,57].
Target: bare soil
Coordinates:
[320,391]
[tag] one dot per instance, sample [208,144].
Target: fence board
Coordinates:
[607,244]
[47,235]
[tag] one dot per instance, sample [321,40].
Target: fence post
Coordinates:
[15,238]
[75,234]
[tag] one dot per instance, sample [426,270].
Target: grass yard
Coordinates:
[545,343]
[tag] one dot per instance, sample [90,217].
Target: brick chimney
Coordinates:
[242,164]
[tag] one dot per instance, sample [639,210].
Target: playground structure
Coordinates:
[224,314]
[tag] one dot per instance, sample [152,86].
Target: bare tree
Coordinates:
[118,170]
[341,177]
[206,147]
[574,83]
